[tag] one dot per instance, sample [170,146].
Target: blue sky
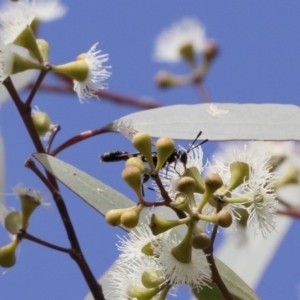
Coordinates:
[258,63]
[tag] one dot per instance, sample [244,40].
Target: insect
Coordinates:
[180,154]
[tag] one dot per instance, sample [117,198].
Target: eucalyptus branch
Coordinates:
[27,236]
[79,138]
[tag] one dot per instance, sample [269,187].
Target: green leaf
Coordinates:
[94,192]
[236,286]
[218,121]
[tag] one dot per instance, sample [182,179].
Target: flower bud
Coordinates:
[165,147]
[201,241]
[130,218]
[211,50]
[186,185]
[239,173]
[194,173]
[113,216]
[183,251]
[213,182]
[181,202]
[143,143]
[142,293]
[132,176]
[187,52]
[27,40]
[42,122]
[137,162]
[78,70]
[224,218]
[12,222]
[291,177]
[165,79]
[30,200]
[44,48]
[159,225]
[152,278]
[8,254]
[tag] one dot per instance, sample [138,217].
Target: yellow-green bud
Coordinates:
[21,64]
[137,162]
[201,241]
[211,50]
[183,251]
[213,182]
[239,173]
[78,70]
[159,225]
[186,185]
[8,254]
[143,143]
[187,52]
[199,182]
[165,79]
[224,218]
[13,221]
[291,177]
[30,200]
[165,147]
[132,176]
[152,278]
[44,48]
[130,218]
[27,40]
[113,216]
[181,202]
[141,293]
[42,122]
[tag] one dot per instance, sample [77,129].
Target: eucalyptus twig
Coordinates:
[76,252]
[79,138]
[27,236]
[37,84]
[54,132]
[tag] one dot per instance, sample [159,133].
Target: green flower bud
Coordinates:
[291,177]
[143,143]
[213,182]
[183,251]
[224,218]
[130,218]
[186,185]
[165,147]
[78,70]
[137,162]
[27,40]
[193,172]
[132,176]
[187,52]
[8,254]
[239,173]
[211,50]
[30,200]
[44,48]
[165,80]
[148,249]
[182,202]
[12,222]
[141,293]
[152,278]
[113,216]
[42,122]
[201,241]
[21,64]
[159,225]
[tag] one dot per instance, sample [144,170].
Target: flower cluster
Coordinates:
[19,21]
[241,182]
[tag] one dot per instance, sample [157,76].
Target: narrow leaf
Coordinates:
[218,121]
[94,192]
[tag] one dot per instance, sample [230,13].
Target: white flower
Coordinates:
[49,10]
[261,196]
[125,280]
[195,273]
[97,74]
[173,172]
[131,247]
[6,62]
[14,18]
[170,41]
